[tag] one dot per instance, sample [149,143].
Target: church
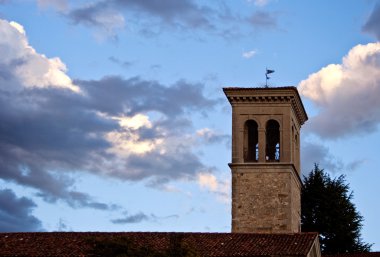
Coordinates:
[266,192]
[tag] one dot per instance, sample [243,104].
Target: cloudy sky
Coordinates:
[112,115]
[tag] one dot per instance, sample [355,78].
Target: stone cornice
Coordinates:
[240,95]
[261,167]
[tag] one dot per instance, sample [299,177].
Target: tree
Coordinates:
[326,208]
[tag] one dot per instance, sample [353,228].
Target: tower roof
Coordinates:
[241,95]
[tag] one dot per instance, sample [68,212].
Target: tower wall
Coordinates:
[265,199]
[266,190]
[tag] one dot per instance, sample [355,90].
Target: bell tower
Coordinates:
[266,184]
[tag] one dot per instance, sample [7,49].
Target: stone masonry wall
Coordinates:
[295,204]
[265,200]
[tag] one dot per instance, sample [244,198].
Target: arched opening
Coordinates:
[272,150]
[251,141]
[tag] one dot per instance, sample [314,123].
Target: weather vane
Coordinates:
[266,76]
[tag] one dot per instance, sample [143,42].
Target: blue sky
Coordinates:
[113,116]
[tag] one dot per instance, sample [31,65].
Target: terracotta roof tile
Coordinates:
[206,244]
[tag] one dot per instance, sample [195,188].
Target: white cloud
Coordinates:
[207,134]
[108,21]
[126,140]
[135,122]
[124,143]
[22,66]
[211,136]
[139,131]
[259,2]
[207,180]
[111,21]
[249,54]
[221,187]
[60,5]
[347,94]
[18,26]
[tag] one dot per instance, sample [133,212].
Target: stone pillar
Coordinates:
[262,143]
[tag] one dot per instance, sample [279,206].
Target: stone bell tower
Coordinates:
[266,185]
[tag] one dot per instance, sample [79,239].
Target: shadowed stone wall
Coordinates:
[265,200]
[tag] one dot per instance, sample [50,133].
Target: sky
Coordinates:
[113,118]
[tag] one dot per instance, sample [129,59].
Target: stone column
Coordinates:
[262,142]
[235,131]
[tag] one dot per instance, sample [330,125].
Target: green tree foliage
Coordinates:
[327,209]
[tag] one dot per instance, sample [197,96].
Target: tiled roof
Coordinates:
[205,244]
